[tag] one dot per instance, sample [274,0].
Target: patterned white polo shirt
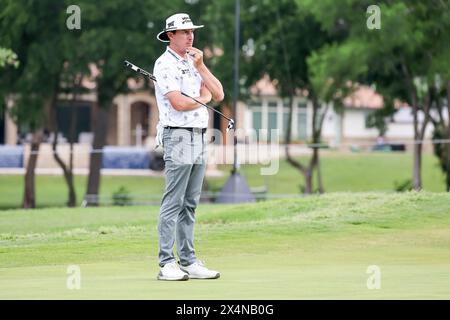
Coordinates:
[174,73]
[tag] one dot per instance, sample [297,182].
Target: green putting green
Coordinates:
[318,247]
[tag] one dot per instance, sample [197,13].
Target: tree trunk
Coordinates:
[67,171]
[287,138]
[317,133]
[100,118]
[308,174]
[296,164]
[448,137]
[417,181]
[417,167]
[417,153]
[29,196]
[69,178]
[442,131]
[314,163]
[68,175]
[447,154]
[319,173]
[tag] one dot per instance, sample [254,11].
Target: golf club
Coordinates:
[153,78]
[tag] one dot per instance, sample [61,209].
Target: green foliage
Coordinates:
[34,30]
[411,42]
[403,186]
[314,45]
[8,57]
[335,69]
[380,118]
[121,197]
[402,59]
[49,52]
[322,46]
[276,37]
[441,149]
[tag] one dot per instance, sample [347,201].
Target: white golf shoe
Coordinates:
[172,272]
[198,270]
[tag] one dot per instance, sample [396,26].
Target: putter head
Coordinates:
[230,125]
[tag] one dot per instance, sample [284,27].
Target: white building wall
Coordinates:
[295,129]
[309,113]
[336,128]
[406,131]
[329,126]
[354,125]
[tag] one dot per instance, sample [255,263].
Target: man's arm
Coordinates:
[211,82]
[183,103]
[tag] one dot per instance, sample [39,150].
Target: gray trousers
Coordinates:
[185,165]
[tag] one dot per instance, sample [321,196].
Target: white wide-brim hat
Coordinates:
[179,21]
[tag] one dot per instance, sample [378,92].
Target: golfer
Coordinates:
[182,126]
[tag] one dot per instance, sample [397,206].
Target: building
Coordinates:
[133,117]
[268,111]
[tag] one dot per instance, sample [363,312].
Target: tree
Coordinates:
[33,31]
[54,59]
[277,38]
[8,57]
[74,88]
[397,58]
[113,31]
[440,95]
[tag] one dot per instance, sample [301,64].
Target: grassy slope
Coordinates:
[341,173]
[316,247]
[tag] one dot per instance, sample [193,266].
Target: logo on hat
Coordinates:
[186,20]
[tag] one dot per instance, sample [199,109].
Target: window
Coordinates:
[272,124]
[301,123]
[257,119]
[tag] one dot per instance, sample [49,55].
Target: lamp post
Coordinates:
[237,29]
[236,189]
